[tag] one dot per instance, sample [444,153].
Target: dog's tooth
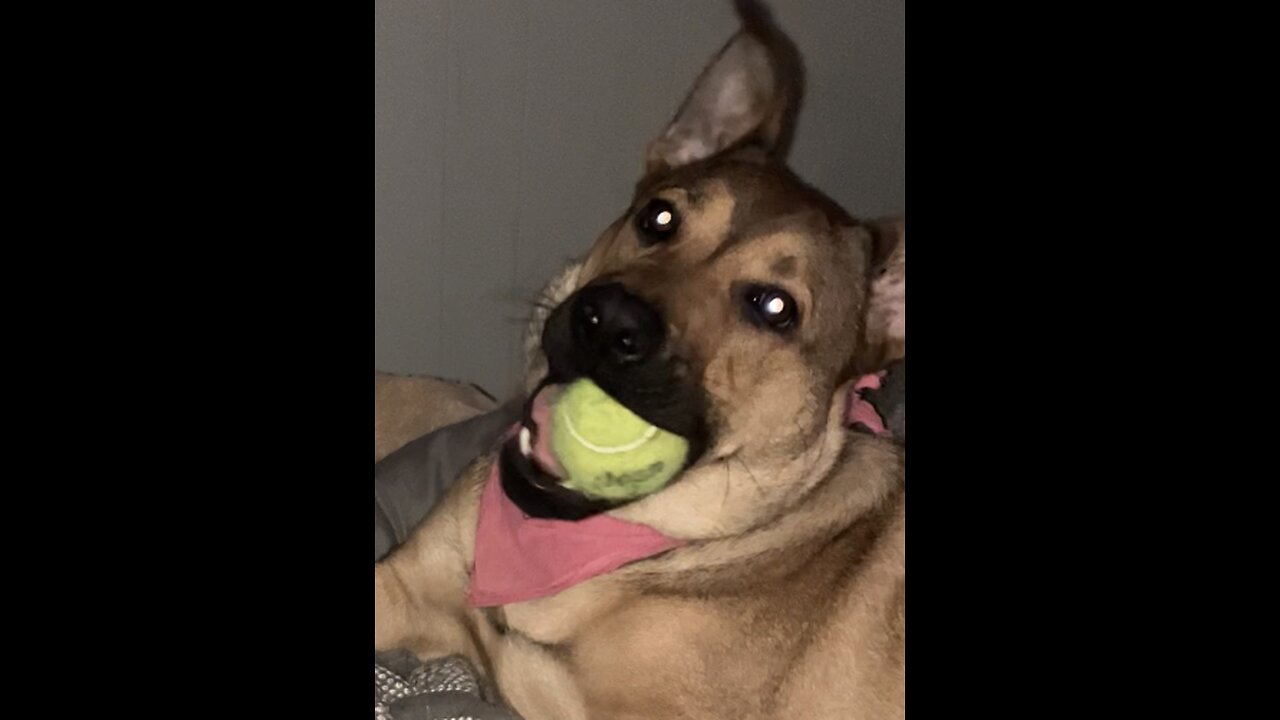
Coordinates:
[526,442]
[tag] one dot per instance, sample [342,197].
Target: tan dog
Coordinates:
[734,305]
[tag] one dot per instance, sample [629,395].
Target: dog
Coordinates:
[736,306]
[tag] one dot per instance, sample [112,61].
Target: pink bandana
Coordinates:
[519,558]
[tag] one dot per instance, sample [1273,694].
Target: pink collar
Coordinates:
[519,558]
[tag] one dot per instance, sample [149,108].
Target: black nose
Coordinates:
[616,326]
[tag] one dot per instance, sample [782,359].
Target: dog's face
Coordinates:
[731,302]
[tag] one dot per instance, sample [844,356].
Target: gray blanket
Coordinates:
[444,689]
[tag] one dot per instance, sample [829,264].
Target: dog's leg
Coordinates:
[420,589]
[403,619]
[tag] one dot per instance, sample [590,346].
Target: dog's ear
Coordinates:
[747,96]
[885,327]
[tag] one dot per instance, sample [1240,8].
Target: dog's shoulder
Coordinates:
[856,653]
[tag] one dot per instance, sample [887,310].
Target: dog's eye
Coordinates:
[657,221]
[771,306]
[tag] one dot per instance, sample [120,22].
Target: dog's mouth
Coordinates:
[533,439]
[533,478]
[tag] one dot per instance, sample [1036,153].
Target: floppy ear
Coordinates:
[747,95]
[885,334]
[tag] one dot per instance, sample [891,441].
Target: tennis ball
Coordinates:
[607,451]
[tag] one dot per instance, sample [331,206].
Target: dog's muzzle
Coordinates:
[610,334]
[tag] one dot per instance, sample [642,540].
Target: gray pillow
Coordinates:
[410,481]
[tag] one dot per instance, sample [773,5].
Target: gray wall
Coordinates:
[509,133]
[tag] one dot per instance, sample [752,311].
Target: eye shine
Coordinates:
[657,221]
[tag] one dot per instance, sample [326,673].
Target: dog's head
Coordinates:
[731,303]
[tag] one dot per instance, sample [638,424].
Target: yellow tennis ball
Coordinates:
[607,451]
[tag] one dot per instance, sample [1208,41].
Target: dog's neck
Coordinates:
[850,506]
[705,504]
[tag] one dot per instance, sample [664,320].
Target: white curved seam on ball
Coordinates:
[648,435]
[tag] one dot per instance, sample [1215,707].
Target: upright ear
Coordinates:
[747,95]
[885,336]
